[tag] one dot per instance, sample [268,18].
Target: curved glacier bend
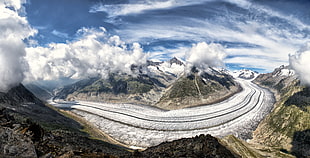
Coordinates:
[144,126]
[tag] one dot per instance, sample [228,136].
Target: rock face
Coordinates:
[194,89]
[141,89]
[25,105]
[144,86]
[28,128]
[199,146]
[39,92]
[161,84]
[287,126]
[13,142]
[248,150]
[245,74]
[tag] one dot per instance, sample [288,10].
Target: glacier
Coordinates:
[144,126]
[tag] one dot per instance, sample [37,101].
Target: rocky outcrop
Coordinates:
[14,142]
[141,89]
[39,91]
[177,61]
[161,84]
[194,90]
[196,147]
[24,138]
[249,150]
[283,127]
[28,128]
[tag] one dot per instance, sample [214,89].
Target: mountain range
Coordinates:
[287,126]
[31,128]
[162,84]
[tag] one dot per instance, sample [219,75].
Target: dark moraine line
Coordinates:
[154,129]
[176,121]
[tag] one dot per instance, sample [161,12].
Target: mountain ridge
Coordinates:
[287,126]
[291,95]
[29,128]
[22,135]
[154,86]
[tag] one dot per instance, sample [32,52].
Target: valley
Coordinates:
[140,126]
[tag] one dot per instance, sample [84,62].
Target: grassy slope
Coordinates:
[290,116]
[247,150]
[195,90]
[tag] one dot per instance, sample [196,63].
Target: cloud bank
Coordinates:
[249,30]
[300,62]
[203,56]
[14,29]
[94,53]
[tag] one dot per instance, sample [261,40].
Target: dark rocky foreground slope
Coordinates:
[28,128]
[199,146]
[31,129]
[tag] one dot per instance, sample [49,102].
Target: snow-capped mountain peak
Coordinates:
[245,74]
[283,71]
[177,61]
[173,66]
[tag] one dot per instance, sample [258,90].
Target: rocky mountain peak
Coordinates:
[153,62]
[177,61]
[17,95]
[283,71]
[245,74]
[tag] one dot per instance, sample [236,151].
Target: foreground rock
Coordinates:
[199,146]
[28,128]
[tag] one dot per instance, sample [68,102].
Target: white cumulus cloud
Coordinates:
[94,53]
[300,62]
[203,56]
[14,29]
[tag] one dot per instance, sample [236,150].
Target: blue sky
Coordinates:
[256,34]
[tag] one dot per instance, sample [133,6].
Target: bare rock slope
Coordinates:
[28,128]
[287,127]
[161,84]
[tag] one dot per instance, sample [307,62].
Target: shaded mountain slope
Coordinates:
[162,84]
[23,103]
[287,126]
[194,89]
[28,128]
[145,87]
[249,150]
[63,92]
[141,89]
[39,91]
